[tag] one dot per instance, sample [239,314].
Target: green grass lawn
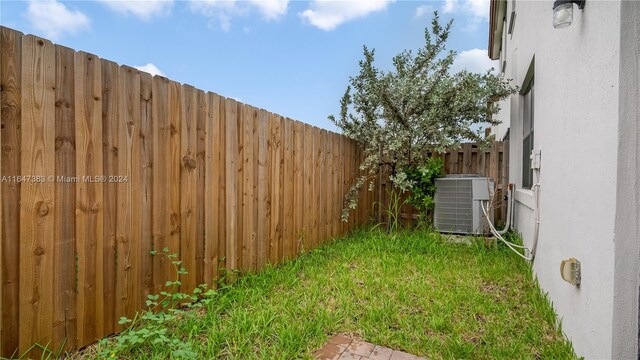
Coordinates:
[412,291]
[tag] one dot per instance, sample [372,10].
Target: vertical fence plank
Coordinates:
[255,247]
[231,184]
[37,198]
[474,159]
[203,125]
[263,218]
[466,158]
[239,178]
[221,261]
[248,234]
[330,186]
[64,237]
[142,183]
[289,235]
[89,198]
[212,189]
[453,162]
[320,180]
[343,184]
[315,150]
[482,161]
[276,185]
[176,115]
[188,182]
[162,216]
[127,222]
[308,187]
[299,200]
[362,199]
[339,192]
[350,176]
[110,123]
[11,65]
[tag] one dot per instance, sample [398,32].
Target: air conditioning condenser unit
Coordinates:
[458,204]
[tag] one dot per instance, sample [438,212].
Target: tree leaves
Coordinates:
[399,116]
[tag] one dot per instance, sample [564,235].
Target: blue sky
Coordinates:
[290,57]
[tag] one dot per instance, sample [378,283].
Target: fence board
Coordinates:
[292,200]
[89,197]
[231,174]
[221,261]
[64,326]
[188,186]
[37,198]
[11,102]
[202,154]
[110,124]
[240,181]
[212,189]
[317,181]
[142,183]
[277,248]
[248,167]
[127,278]
[308,187]
[161,213]
[326,187]
[174,162]
[263,218]
[337,186]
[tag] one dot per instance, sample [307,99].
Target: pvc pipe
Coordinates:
[536,212]
[507,226]
[510,245]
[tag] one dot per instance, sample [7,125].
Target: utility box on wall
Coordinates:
[458,203]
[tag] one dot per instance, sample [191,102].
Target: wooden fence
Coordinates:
[102,163]
[492,162]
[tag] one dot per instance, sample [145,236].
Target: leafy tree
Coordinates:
[399,116]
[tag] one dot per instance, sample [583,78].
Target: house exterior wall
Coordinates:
[626,291]
[576,72]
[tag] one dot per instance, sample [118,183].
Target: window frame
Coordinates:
[528,133]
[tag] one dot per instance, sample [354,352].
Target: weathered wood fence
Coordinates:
[102,163]
[492,162]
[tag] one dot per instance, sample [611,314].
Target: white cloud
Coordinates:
[475,8]
[54,18]
[329,14]
[423,10]
[271,9]
[221,12]
[473,60]
[151,69]
[143,9]
[449,6]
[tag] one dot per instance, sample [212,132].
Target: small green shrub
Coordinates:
[151,329]
[423,187]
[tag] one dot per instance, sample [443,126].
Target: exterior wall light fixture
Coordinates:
[563,12]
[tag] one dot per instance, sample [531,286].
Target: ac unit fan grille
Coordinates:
[455,206]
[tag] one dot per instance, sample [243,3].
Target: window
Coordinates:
[527,136]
